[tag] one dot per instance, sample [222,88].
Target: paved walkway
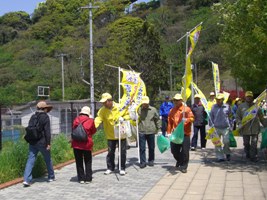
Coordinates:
[205,179]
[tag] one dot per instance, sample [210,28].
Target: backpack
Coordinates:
[33,130]
[79,134]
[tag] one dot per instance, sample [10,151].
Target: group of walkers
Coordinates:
[150,123]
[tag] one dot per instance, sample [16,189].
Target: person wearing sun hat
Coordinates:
[149,125]
[43,144]
[211,101]
[199,123]
[109,114]
[83,149]
[250,130]
[180,151]
[220,119]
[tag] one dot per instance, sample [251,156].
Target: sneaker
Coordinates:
[108,172]
[150,163]
[81,182]
[203,148]
[88,182]
[26,184]
[183,170]
[142,165]
[51,179]
[193,148]
[228,157]
[122,172]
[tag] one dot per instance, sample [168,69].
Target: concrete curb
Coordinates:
[57,167]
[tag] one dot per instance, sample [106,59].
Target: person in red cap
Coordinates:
[42,144]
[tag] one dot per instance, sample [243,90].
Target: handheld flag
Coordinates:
[216,77]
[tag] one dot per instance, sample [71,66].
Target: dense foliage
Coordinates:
[233,35]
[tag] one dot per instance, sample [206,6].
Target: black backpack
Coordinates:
[33,130]
[79,134]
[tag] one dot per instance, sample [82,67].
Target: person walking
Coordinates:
[43,144]
[220,120]
[109,115]
[83,149]
[178,113]
[251,130]
[211,101]
[149,125]
[164,110]
[199,123]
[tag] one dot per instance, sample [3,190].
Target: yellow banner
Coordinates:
[187,79]
[226,96]
[133,89]
[216,77]
[194,35]
[213,136]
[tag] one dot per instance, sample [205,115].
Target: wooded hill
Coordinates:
[143,37]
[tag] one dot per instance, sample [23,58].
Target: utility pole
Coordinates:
[92,99]
[62,74]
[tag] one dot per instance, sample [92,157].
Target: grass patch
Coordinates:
[13,156]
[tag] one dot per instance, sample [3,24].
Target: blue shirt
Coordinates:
[219,116]
[165,108]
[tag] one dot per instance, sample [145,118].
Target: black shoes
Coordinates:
[228,157]
[142,165]
[150,163]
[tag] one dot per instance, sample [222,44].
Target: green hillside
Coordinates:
[144,37]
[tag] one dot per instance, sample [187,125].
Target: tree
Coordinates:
[245,41]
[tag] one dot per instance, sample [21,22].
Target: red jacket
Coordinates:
[89,127]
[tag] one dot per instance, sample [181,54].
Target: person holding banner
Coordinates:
[109,115]
[251,129]
[220,120]
[199,123]
[149,125]
[180,112]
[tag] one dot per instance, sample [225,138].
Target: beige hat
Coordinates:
[249,94]
[212,94]
[85,110]
[105,97]
[220,96]
[42,105]
[145,100]
[197,96]
[178,97]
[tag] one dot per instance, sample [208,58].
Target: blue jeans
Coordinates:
[150,138]
[164,125]
[33,151]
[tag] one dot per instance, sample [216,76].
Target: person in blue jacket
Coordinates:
[164,110]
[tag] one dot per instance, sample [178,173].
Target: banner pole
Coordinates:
[189,32]
[119,77]
[137,138]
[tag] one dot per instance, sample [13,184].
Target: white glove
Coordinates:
[168,135]
[159,133]
[121,119]
[160,117]
[184,119]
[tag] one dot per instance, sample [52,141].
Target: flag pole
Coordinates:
[119,120]
[189,32]
[186,54]
[137,137]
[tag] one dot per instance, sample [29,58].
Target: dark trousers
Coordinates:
[181,152]
[164,125]
[250,145]
[111,154]
[203,140]
[150,139]
[83,156]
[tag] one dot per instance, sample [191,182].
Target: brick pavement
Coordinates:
[206,179]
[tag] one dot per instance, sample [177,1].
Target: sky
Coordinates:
[25,5]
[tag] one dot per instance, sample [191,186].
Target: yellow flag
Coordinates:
[216,77]
[226,96]
[194,35]
[133,89]
[187,79]
[213,136]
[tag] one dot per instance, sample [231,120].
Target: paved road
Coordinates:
[206,179]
